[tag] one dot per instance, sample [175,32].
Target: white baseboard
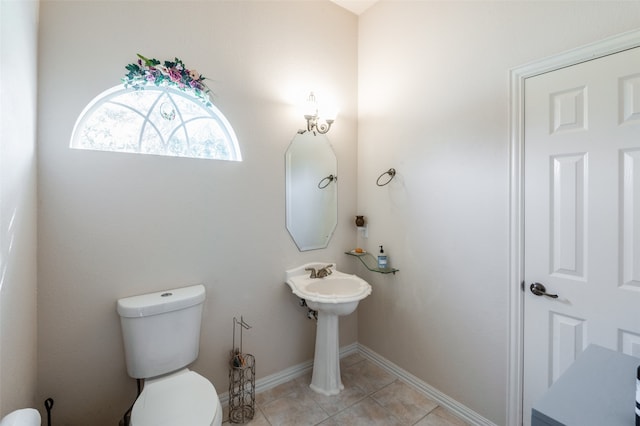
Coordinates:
[301,369]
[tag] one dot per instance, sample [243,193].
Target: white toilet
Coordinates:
[23,417]
[161,334]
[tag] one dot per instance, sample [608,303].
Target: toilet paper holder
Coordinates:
[242,379]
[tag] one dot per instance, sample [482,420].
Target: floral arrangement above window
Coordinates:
[172,116]
[171,73]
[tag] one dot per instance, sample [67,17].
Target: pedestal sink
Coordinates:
[333,295]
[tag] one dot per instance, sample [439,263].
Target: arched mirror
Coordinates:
[311,190]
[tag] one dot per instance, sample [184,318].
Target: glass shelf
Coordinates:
[370,262]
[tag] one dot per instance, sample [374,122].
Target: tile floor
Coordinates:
[371,396]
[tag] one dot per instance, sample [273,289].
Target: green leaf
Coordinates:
[148,62]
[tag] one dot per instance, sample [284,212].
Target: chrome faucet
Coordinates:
[320,273]
[323,272]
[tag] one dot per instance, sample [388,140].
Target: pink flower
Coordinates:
[175,75]
[152,71]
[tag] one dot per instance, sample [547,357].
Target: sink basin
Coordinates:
[334,295]
[338,292]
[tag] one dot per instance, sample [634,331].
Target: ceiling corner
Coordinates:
[355,6]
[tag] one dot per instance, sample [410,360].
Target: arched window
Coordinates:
[155,120]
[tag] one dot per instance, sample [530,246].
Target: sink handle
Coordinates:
[328,269]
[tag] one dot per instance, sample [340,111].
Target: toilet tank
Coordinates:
[161,331]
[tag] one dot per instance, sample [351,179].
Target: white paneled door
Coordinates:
[582,216]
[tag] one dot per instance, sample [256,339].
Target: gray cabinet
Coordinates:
[598,389]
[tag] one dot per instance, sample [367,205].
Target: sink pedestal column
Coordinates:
[326,364]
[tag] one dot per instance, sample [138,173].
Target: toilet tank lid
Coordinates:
[161,301]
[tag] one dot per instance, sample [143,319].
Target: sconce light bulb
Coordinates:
[329,113]
[311,107]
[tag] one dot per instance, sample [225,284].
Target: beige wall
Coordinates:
[433,103]
[422,87]
[18,333]
[114,225]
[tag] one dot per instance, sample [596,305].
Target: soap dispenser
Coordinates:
[382,259]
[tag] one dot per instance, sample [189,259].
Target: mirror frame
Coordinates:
[311,170]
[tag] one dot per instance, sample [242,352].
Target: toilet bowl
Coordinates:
[24,417]
[181,398]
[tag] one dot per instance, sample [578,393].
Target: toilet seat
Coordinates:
[181,398]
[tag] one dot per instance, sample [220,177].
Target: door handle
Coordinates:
[540,290]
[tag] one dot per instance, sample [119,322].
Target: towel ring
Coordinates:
[391,172]
[329,179]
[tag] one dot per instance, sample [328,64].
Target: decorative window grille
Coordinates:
[157,121]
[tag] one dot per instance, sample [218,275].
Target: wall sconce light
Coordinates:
[311,115]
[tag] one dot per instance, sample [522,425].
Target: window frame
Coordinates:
[113,93]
